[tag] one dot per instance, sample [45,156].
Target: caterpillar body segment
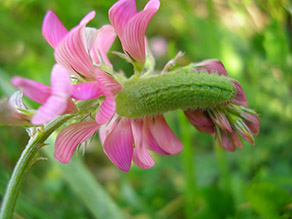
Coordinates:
[171,91]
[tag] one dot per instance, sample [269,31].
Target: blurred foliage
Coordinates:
[252,38]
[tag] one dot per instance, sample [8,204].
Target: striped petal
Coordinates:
[253,124]
[103,42]
[86,91]
[108,107]
[236,140]
[220,119]
[133,38]
[70,137]
[120,14]
[108,81]
[118,145]
[72,52]
[164,136]
[148,137]
[106,129]
[32,89]
[53,30]
[141,156]
[226,141]
[106,110]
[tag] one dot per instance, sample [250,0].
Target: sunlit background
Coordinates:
[251,38]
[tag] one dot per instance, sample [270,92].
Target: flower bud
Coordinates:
[12,111]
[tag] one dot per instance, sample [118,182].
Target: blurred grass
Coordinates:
[252,38]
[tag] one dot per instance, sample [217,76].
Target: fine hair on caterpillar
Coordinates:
[182,89]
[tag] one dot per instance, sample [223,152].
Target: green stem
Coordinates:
[189,167]
[225,181]
[23,164]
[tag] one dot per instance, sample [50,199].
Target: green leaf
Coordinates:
[267,199]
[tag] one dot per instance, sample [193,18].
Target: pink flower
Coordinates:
[228,122]
[80,48]
[124,140]
[78,51]
[131,26]
[55,100]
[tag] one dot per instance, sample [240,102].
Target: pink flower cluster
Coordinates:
[81,53]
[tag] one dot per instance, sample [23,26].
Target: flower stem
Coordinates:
[23,164]
[189,167]
[225,181]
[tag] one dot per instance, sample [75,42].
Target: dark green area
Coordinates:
[252,39]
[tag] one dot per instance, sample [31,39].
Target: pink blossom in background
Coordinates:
[131,25]
[158,46]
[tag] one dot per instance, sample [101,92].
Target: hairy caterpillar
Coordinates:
[171,91]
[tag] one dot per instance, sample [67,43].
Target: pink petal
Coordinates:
[242,130]
[91,34]
[201,121]
[72,52]
[164,136]
[32,89]
[71,107]
[227,142]
[152,4]
[148,137]
[106,129]
[106,110]
[141,156]
[52,108]
[70,137]
[133,38]
[240,98]
[254,124]
[236,140]
[86,91]
[61,82]
[108,81]
[212,66]
[220,119]
[224,139]
[120,14]
[53,30]
[103,42]
[56,104]
[118,145]
[87,18]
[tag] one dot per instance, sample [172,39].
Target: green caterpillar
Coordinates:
[171,91]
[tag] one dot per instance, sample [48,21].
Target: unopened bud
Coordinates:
[13,112]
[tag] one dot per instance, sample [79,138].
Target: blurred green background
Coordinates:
[253,40]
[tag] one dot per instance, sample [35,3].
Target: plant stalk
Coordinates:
[188,164]
[23,164]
